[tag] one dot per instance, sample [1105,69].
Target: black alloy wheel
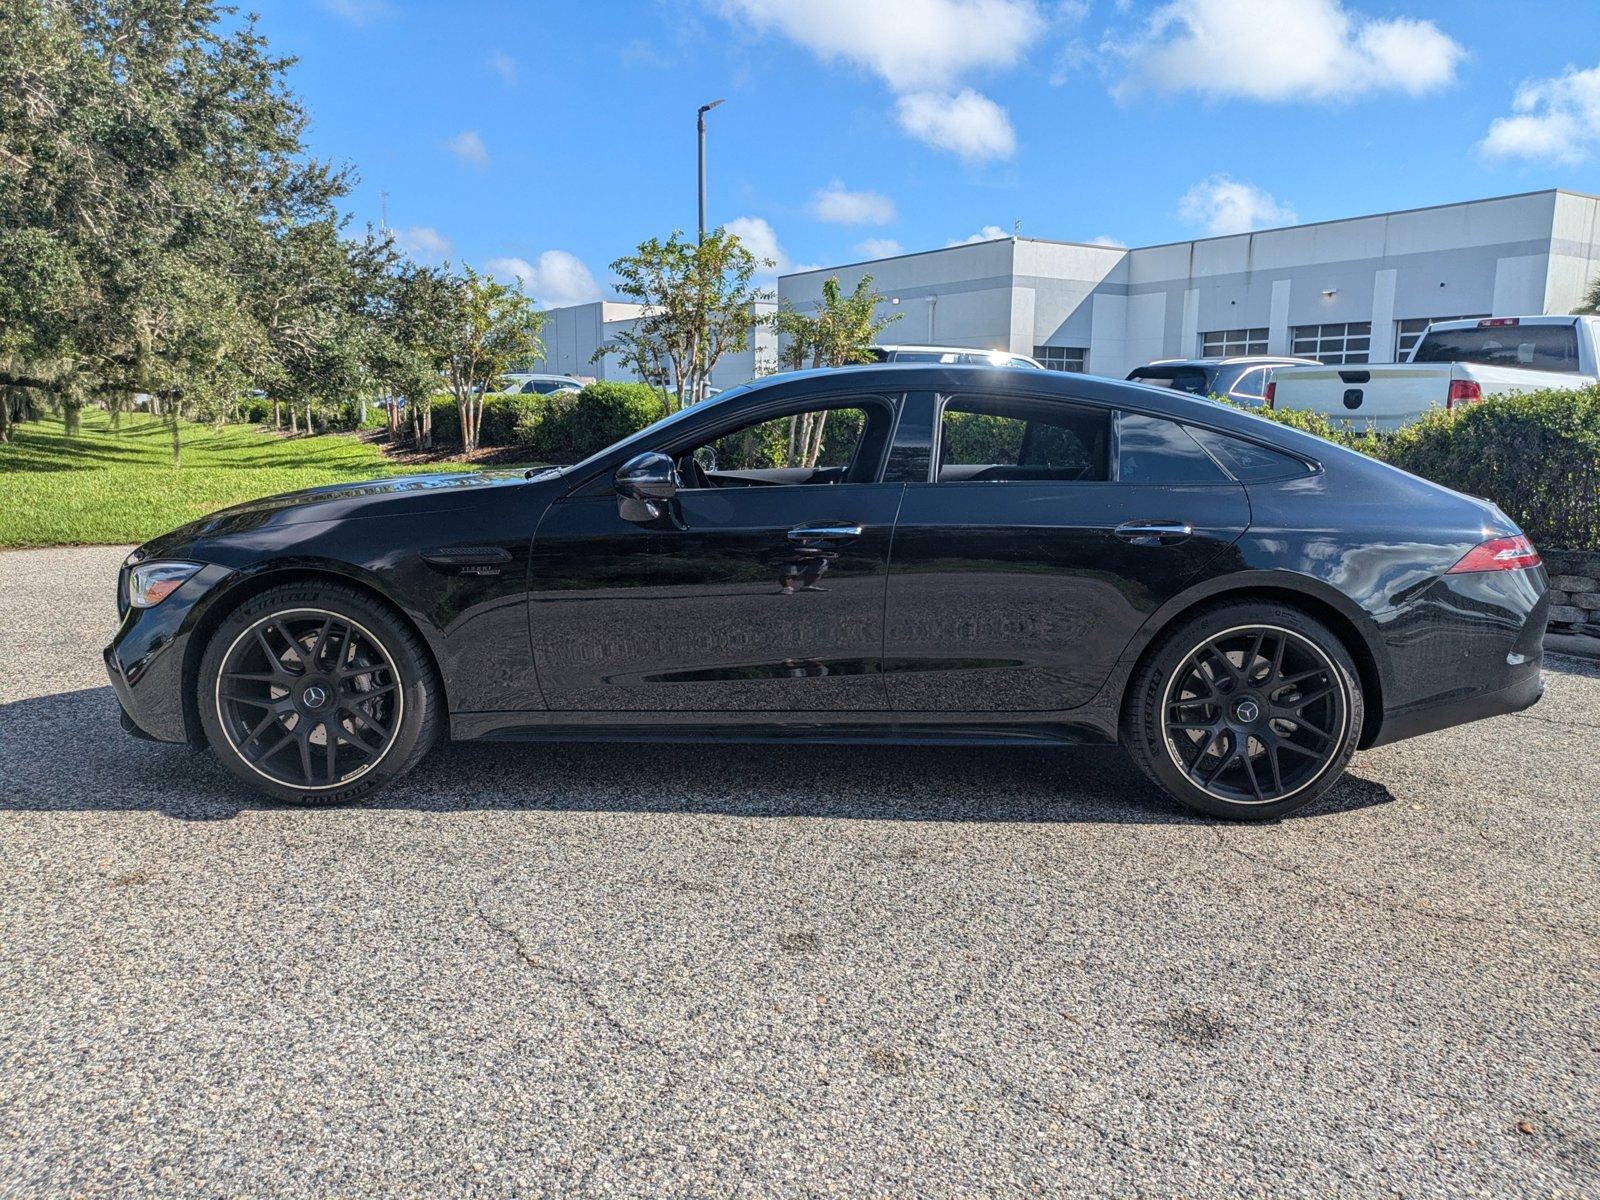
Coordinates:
[311,694]
[1247,717]
[1254,714]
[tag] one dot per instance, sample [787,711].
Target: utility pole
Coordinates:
[383,212]
[700,129]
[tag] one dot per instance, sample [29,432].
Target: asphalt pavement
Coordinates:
[771,972]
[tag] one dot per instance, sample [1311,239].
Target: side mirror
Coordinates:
[645,487]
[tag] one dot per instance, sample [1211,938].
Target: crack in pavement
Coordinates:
[625,1032]
[1557,932]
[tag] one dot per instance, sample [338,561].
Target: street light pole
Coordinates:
[700,128]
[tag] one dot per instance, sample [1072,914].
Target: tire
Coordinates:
[306,664]
[1227,723]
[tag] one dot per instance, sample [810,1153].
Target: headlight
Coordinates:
[151,583]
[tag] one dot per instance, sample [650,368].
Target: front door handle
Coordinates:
[824,533]
[1154,533]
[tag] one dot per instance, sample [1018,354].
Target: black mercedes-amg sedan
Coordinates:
[913,553]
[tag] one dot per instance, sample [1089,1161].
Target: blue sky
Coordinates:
[545,139]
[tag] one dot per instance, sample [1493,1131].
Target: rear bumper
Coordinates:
[1525,693]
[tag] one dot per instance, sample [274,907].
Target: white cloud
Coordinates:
[834,203]
[469,148]
[761,239]
[921,49]
[1223,205]
[988,233]
[423,243]
[1556,119]
[1284,50]
[968,124]
[879,248]
[911,44]
[503,65]
[1105,239]
[556,280]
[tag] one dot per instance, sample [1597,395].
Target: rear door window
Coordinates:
[1013,439]
[1155,450]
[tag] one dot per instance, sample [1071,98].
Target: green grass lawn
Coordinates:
[105,486]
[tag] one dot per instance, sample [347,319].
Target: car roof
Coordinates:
[1233,360]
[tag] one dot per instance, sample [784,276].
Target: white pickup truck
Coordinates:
[1453,363]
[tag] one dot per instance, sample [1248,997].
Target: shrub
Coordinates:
[1535,454]
[568,426]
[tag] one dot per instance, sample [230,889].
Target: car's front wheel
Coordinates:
[314,693]
[1248,711]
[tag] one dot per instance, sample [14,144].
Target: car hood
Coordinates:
[395,496]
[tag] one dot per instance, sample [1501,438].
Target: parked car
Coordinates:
[961,556]
[529,384]
[1241,378]
[950,355]
[1453,362]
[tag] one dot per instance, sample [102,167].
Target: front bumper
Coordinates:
[147,659]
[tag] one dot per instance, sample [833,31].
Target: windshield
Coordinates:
[1532,347]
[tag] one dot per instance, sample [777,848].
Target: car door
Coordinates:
[1042,535]
[758,587]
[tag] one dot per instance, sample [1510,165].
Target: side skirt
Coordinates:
[852,728]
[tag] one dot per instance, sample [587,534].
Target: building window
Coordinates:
[1062,358]
[1332,344]
[1225,343]
[1407,332]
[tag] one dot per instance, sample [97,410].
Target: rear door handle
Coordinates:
[1154,533]
[823,533]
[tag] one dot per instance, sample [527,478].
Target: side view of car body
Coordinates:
[937,554]
[1242,378]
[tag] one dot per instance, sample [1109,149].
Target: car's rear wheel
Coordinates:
[1248,711]
[314,693]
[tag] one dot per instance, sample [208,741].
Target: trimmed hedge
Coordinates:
[1535,454]
[572,425]
[565,426]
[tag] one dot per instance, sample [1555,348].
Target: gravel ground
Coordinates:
[781,972]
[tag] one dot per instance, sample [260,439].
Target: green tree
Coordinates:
[698,306]
[1591,299]
[422,312]
[154,195]
[842,330]
[494,325]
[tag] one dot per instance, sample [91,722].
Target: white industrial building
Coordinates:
[1353,290]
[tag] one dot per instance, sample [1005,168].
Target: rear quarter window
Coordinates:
[1250,462]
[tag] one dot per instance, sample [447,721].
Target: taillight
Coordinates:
[1498,554]
[1272,393]
[1463,391]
